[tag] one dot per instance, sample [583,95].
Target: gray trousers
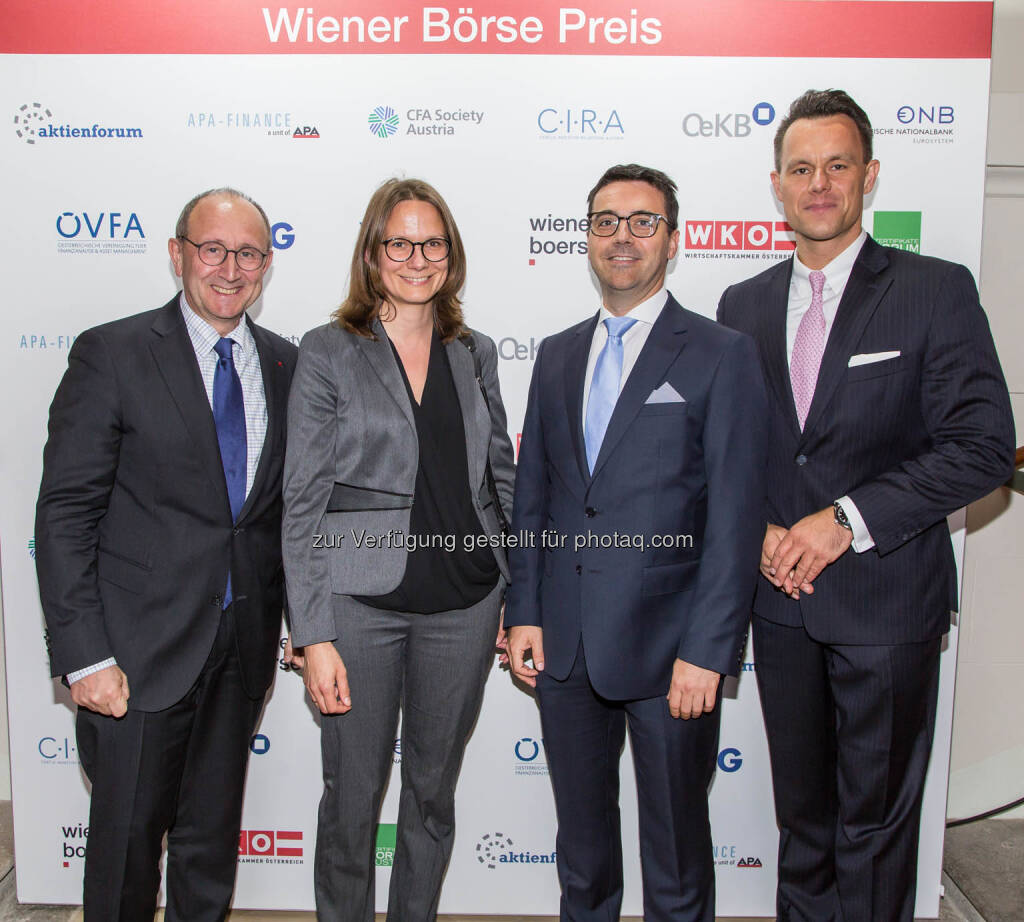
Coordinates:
[434,667]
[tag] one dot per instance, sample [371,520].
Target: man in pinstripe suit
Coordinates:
[888,411]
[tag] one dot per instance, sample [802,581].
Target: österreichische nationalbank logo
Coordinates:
[529,756]
[383,122]
[497,850]
[35,122]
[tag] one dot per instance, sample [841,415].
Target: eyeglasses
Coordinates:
[214,254]
[400,250]
[640,223]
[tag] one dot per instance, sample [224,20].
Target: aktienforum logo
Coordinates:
[900,229]
[32,121]
[383,122]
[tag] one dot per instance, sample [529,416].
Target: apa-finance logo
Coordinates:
[100,232]
[529,757]
[387,839]
[269,123]
[35,122]
[900,229]
[730,856]
[270,846]
[497,850]
[383,122]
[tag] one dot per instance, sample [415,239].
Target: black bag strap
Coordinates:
[470,343]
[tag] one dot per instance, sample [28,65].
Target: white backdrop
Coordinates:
[105,146]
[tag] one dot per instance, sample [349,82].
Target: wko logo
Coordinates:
[383,122]
[710,239]
[32,122]
[580,124]
[269,846]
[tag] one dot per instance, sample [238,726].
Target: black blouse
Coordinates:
[441,574]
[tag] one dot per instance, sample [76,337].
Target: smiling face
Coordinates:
[413,282]
[630,269]
[822,183]
[221,294]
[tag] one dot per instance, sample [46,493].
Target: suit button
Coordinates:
[217,600]
[236,531]
[579,569]
[801,460]
[590,512]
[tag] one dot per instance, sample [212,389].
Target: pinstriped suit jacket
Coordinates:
[351,467]
[910,439]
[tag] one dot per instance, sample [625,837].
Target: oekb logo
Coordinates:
[738,235]
[727,124]
[267,843]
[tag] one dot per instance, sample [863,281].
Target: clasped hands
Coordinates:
[791,560]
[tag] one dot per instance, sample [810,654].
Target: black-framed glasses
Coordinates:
[400,249]
[214,254]
[640,223]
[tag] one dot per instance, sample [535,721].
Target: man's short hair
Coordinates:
[822,104]
[633,172]
[181,228]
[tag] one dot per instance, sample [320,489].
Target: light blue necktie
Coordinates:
[604,387]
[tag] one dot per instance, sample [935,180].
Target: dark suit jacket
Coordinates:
[134,537]
[910,439]
[694,467]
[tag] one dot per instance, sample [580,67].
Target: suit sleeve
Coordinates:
[967,413]
[500,452]
[529,513]
[308,481]
[79,466]
[735,434]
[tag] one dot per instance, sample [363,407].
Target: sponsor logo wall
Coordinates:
[513,115]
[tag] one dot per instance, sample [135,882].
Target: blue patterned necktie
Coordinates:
[229,418]
[604,387]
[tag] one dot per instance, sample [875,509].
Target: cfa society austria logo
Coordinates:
[33,122]
[383,122]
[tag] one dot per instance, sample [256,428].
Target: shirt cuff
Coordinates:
[89,670]
[862,540]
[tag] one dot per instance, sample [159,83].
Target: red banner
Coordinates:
[720,28]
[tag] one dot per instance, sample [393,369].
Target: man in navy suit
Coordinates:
[641,472]
[888,411]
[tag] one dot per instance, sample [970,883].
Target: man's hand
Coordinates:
[501,643]
[807,548]
[773,535]
[521,639]
[693,691]
[293,656]
[326,678]
[105,692]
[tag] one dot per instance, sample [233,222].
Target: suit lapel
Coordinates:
[665,341]
[382,361]
[867,284]
[575,381]
[772,335]
[474,412]
[175,359]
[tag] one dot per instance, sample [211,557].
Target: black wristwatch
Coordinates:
[840,515]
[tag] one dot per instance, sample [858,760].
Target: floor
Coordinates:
[983,879]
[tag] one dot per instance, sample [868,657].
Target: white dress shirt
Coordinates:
[837,274]
[247,363]
[645,313]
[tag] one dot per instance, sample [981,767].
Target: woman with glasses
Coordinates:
[398,465]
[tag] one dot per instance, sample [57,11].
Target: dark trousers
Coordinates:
[674,761]
[180,771]
[433,667]
[849,733]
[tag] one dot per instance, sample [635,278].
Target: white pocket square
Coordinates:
[867,358]
[665,394]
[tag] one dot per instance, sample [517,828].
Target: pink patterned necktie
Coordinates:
[808,349]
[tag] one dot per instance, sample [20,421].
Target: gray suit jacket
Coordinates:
[351,468]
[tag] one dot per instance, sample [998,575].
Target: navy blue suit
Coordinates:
[615,619]
[848,675]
